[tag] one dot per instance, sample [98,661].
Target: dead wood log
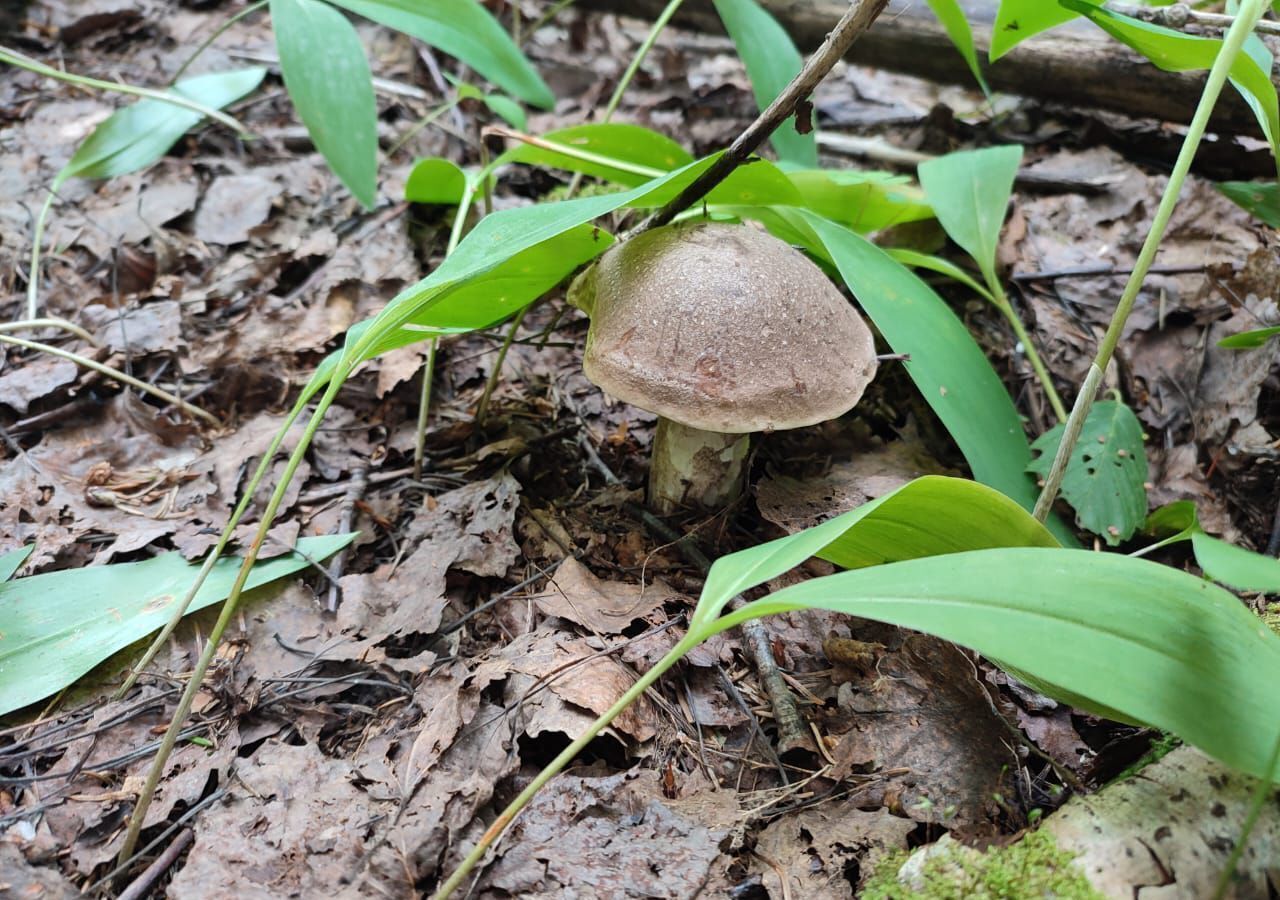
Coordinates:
[1076,66]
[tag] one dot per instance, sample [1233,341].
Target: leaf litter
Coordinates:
[489,610]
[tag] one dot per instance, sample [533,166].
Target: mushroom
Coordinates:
[721,330]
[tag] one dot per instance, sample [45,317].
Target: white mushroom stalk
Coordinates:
[722,330]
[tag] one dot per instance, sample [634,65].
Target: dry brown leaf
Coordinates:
[604,607]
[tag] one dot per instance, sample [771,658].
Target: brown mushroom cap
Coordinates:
[724,328]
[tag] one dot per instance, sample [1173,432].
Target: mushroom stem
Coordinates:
[692,467]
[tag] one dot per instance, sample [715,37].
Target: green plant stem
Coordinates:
[553,768]
[1249,13]
[575,153]
[424,409]
[50,322]
[1001,300]
[217,33]
[33,276]
[229,607]
[423,123]
[112,373]
[546,17]
[623,83]
[651,38]
[1256,803]
[482,408]
[424,398]
[14,58]
[223,539]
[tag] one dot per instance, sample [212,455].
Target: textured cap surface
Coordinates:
[724,328]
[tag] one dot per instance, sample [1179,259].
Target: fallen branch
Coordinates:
[1078,67]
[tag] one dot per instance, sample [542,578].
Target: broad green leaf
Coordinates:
[933,516]
[12,561]
[772,60]
[488,298]
[953,20]
[507,110]
[328,79]
[917,260]
[1156,645]
[969,192]
[57,626]
[1235,566]
[625,154]
[863,201]
[929,516]
[1249,340]
[1106,477]
[1018,20]
[435,180]
[1177,51]
[1260,199]
[1177,521]
[948,367]
[491,245]
[462,28]
[135,136]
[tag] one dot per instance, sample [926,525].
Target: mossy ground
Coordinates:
[1032,869]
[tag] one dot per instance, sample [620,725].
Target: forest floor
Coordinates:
[361,727]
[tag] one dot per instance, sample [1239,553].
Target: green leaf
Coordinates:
[1154,644]
[917,260]
[617,152]
[933,516]
[494,249]
[969,192]
[1249,340]
[135,136]
[953,20]
[1235,566]
[328,79]
[863,201]
[507,110]
[948,367]
[772,60]
[462,28]
[1018,20]
[13,560]
[1106,477]
[1241,569]
[1260,199]
[57,626]
[1176,51]
[1176,521]
[929,516]
[435,180]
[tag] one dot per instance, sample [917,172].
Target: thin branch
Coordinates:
[857,19]
[1179,16]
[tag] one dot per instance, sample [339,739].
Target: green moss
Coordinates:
[1032,869]
[1159,748]
[588,189]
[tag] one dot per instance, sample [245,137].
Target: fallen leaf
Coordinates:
[604,607]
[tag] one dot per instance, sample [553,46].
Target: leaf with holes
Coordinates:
[1105,482]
